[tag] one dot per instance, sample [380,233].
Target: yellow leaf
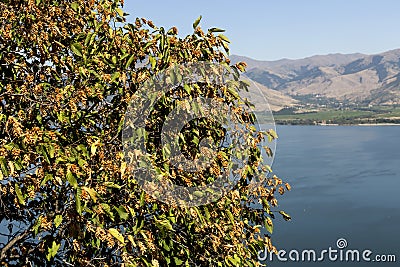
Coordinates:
[223,37]
[120,12]
[273,134]
[288,187]
[123,168]
[58,179]
[58,220]
[285,216]
[93,148]
[115,233]
[91,192]
[230,216]
[11,165]
[130,238]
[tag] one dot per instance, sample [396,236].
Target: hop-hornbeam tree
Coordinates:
[68,70]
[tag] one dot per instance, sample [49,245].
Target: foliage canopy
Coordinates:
[68,70]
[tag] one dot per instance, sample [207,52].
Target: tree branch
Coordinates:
[12,242]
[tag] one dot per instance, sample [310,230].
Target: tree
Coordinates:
[69,70]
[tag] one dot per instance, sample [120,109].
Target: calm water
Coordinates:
[346,184]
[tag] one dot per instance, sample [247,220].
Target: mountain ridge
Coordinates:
[350,79]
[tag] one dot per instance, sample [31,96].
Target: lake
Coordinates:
[345,184]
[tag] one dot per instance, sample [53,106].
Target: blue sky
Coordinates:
[270,30]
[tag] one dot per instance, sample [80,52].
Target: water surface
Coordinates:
[346,182]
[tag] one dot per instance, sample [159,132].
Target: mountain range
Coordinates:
[328,80]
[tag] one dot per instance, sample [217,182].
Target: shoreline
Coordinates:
[378,124]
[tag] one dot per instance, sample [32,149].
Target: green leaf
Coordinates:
[47,177]
[172,75]
[18,164]
[163,224]
[187,88]
[58,220]
[44,153]
[20,196]
[268,168]
[88,37]
[130,60]
[233,92]
[108,211]
[177,261]
[224,38]
[122,213]
[230,216]
[165,245]
[153,62]
[112,185]
[75,6]
[77,49]
[196,22]
[37,224]
[195,140]
[39,118]
[81,162]
[266,205]
[51,150]
[273,134]
[115,233]
[198,193]
[115,76]
[3,165]
[114,58]
[235,261]
[82,148]
[216,30]
[269,228]
[71,179]
[207,214]
[53,250]
[139,223]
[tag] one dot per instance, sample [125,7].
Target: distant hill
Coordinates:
[352,79]
[275,100]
